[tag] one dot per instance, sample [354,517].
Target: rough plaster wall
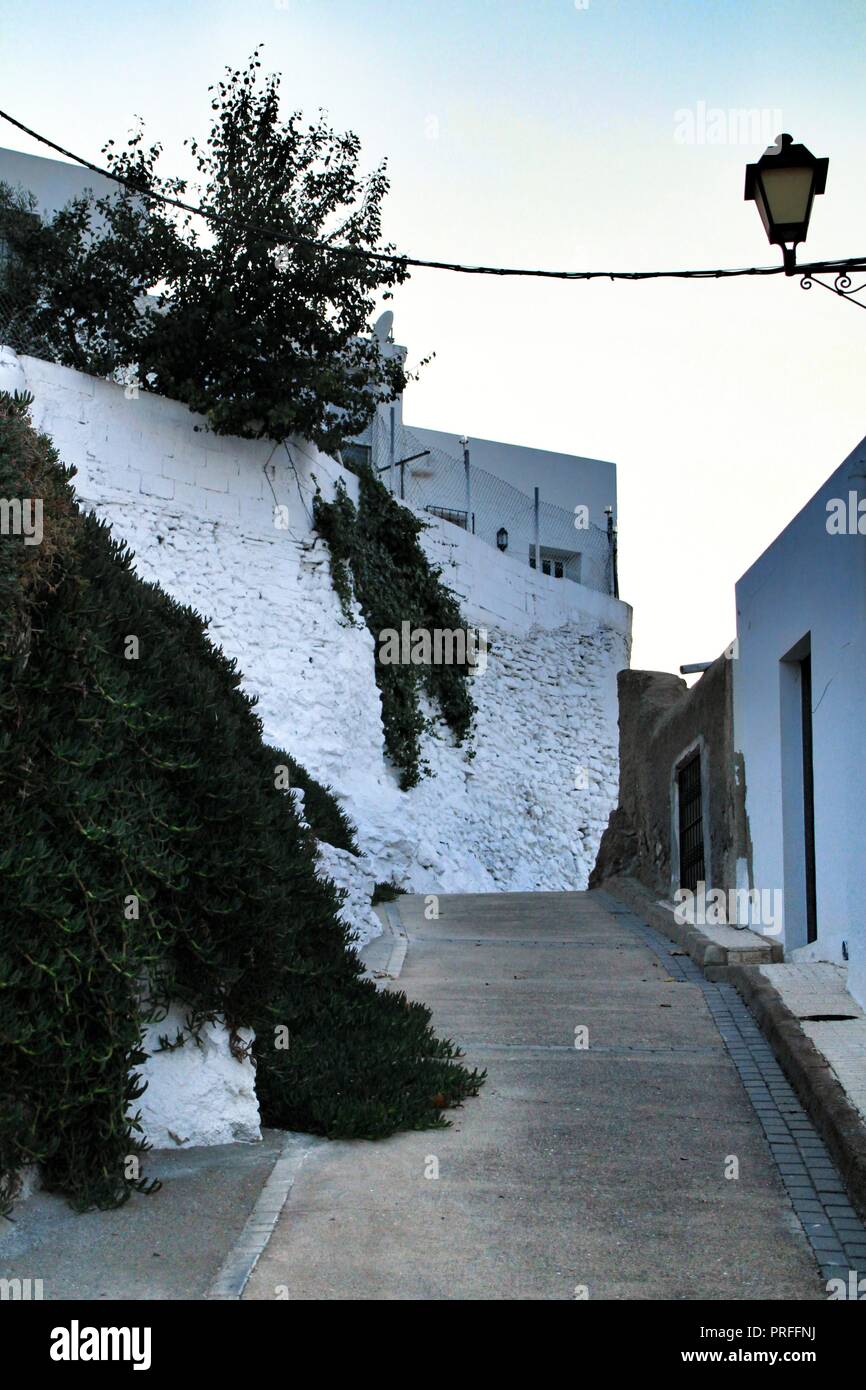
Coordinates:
[178,1109]
[660,718]
[527,812]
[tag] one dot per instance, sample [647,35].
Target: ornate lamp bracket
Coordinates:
[842,285]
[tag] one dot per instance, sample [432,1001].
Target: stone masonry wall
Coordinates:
[661,721]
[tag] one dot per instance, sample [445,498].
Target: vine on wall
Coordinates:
[376,558]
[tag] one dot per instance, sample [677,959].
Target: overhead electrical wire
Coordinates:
[280,239]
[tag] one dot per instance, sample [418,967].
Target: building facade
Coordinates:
[53,182]
[752,781]
[800,721]
[551,511]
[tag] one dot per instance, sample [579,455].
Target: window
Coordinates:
[550,564]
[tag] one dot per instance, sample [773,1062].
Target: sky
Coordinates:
[608,134]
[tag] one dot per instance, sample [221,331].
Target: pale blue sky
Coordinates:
[545,134]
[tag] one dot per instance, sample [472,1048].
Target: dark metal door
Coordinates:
[691,824]
[808,798]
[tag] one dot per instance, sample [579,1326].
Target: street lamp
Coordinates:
[502,538]
[784,183]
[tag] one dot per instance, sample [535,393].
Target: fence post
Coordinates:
[469,522]
[392,452]
[612,556]
[537,534]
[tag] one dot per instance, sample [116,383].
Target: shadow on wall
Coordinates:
[681,812]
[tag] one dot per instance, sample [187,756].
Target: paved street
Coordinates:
[599,1167]
[168,1245]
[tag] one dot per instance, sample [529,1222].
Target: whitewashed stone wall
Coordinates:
[198,1093]
[526,812]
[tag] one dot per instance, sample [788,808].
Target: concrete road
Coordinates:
[169,1245]
[596,1171]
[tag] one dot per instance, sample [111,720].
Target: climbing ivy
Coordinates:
[148,855]
[377,559]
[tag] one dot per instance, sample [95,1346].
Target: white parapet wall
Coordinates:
[226,526]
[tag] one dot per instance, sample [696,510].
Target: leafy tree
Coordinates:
[258,319]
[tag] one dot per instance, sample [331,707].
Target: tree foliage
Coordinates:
[259,318]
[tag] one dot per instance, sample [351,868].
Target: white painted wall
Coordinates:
[198,511]
[809,582]
[198,1093]
[54,182]
[566,480]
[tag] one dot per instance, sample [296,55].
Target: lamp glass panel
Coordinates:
[787,193]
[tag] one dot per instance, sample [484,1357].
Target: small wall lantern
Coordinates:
[784,183]
[502,538]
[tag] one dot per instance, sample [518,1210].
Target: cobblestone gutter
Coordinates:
[816,1134]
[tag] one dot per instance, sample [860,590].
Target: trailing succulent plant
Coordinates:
[147,842]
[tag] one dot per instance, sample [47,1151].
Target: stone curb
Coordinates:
[240,1262]
[710,956]
[818,1089]
[816,1084]
[383,957]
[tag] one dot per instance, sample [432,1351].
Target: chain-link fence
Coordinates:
[16,330]
[571,547]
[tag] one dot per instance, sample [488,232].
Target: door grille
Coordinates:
[692,871]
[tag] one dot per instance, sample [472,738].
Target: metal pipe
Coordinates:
[469,521]
[612,547]
[392,451]
[537,533]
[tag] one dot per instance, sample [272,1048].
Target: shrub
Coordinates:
[386,892]
[327,819]
[148,856]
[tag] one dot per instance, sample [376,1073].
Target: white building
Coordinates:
[570,534]
[489,487]
[800,721]
[53,182]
